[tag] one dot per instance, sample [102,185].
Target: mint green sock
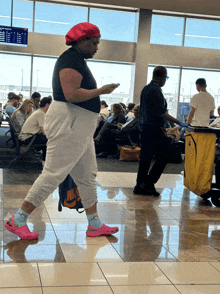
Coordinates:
[94,220]
[20,218]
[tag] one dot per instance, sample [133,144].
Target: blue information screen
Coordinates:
[12,35]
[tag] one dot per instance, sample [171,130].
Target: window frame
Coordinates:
[173,16]
[186,16]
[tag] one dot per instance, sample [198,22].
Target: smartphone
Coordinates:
[115,85]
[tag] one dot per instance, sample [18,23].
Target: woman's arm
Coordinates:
[71,79]
[20,118]
[121,118]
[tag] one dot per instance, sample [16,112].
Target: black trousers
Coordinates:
[101,123]
[154,145]
[104,141]
[39,140]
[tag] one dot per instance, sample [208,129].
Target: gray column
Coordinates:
[141,55]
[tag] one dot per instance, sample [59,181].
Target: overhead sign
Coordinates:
[13,35]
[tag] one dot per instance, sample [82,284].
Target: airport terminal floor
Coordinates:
[165,245]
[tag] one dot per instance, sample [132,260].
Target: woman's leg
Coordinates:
[105,130]
[41,140]
[84,174]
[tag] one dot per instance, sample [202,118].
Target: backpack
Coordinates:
[69,195]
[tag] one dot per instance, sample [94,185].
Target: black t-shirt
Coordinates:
[71,58]
[119,118]
[152,106]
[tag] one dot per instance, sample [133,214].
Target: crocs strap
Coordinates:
[12,220]
[94,228]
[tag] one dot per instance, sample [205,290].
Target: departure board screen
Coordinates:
[12,35]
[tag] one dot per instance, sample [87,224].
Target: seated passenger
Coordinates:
[12,103]
[34,125]
[113,136]
[118,117]
[111,114]
[130,110]
[118,114]
[9,95]
[19,117]
[202,106]
[123,107]
[104,109]
[104,113]
[21,100]
[109,118]
[130,127]
[216,122]
[35,97]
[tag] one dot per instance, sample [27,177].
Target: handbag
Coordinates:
[173,133]
[129,153]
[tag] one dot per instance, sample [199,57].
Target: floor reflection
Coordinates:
[142,244]
[177,226]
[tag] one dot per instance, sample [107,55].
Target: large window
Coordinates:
[175,93]
[5,13]
[106,73]
[188,86]
[57,19]
[23,14]
[115,25]
[42,75]
[202,33]
[15,73]
[170,89]
[167,30]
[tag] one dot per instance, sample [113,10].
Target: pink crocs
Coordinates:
[22,232]
[104,230]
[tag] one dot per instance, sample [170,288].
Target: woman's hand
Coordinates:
[107,89]
[119,126]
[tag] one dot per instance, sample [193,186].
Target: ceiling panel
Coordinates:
[205,7]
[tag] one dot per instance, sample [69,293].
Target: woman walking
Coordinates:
[69,126]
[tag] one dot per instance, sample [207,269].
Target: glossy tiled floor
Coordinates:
[169,244]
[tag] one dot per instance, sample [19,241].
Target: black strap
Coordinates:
[59,205]
[132,143]
[193,142]
[79,211]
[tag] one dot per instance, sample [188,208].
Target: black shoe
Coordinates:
[138,190]
[142,191]
[153,192]
[102,155]
[149,187]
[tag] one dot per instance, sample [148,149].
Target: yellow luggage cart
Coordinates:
[199,162]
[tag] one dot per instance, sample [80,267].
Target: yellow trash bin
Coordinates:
[199,161]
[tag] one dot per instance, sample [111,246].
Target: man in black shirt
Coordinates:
[154,142]
[69,126]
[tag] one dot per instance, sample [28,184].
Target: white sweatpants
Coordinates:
[70,150]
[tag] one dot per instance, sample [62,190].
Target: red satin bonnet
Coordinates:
[81,31]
